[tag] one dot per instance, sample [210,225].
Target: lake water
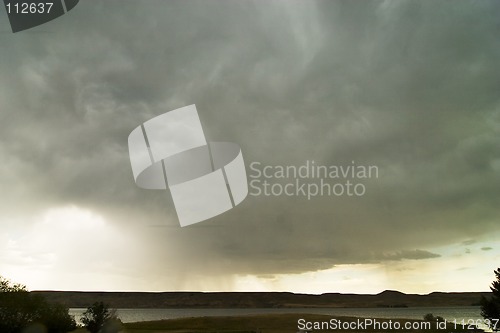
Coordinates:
[450,313]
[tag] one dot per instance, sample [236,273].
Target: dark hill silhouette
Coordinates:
[391,293]
[388,298]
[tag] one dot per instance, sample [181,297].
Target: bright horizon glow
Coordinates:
[34,262]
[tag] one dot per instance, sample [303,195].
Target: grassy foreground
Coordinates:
[275,323]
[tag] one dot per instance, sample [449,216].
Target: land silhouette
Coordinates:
[388,298]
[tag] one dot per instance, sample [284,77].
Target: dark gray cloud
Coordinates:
[408,86]
[414,255]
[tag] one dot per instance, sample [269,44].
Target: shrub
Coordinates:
[19,309]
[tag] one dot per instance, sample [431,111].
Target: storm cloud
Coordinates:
[408,86]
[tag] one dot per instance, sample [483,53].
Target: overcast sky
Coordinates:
[411,87]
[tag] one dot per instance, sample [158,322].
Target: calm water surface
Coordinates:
[450,313]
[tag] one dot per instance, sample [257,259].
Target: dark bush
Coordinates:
[21,311]
[490,307]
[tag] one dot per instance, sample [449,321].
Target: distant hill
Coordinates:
[388,298]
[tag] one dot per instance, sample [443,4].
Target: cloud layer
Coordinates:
[408,86]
